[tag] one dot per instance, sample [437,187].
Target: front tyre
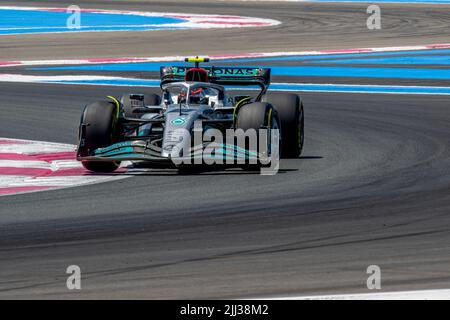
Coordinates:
[256,116]
[98,130]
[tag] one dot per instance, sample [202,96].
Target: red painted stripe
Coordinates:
[227,17]
[48,157]
[229,56]
[82,172]
[438,46]
[12,190]
[180,16]
[14,156]
[13,171]
[107,60]
[42,172]
[7,63]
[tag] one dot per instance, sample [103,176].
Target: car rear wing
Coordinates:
[242,76]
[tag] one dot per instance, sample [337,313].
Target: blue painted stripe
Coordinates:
[340,55]
[285,87]
[361,72]
[300,71]
[361,88]
[89,28]
[437,57]
[154,66]
[38,21]
[407,60]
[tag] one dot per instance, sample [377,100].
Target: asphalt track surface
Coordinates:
[371,188]
[306,26]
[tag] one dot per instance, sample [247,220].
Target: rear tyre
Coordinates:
[130,104]
[257,115]
[290,111]
[99,119]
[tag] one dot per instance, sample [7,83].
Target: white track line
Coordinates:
[300,87]
[30,166]
[439,294]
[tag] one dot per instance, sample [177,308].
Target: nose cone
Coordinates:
[177,134]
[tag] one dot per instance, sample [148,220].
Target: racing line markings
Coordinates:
[438,294]
[222,56]
[300,87]
[34,20]
[27,166]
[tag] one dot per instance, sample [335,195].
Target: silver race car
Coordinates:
[194,121]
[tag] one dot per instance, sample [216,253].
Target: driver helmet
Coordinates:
[197,96]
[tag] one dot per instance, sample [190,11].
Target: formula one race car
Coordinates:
[192,121]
